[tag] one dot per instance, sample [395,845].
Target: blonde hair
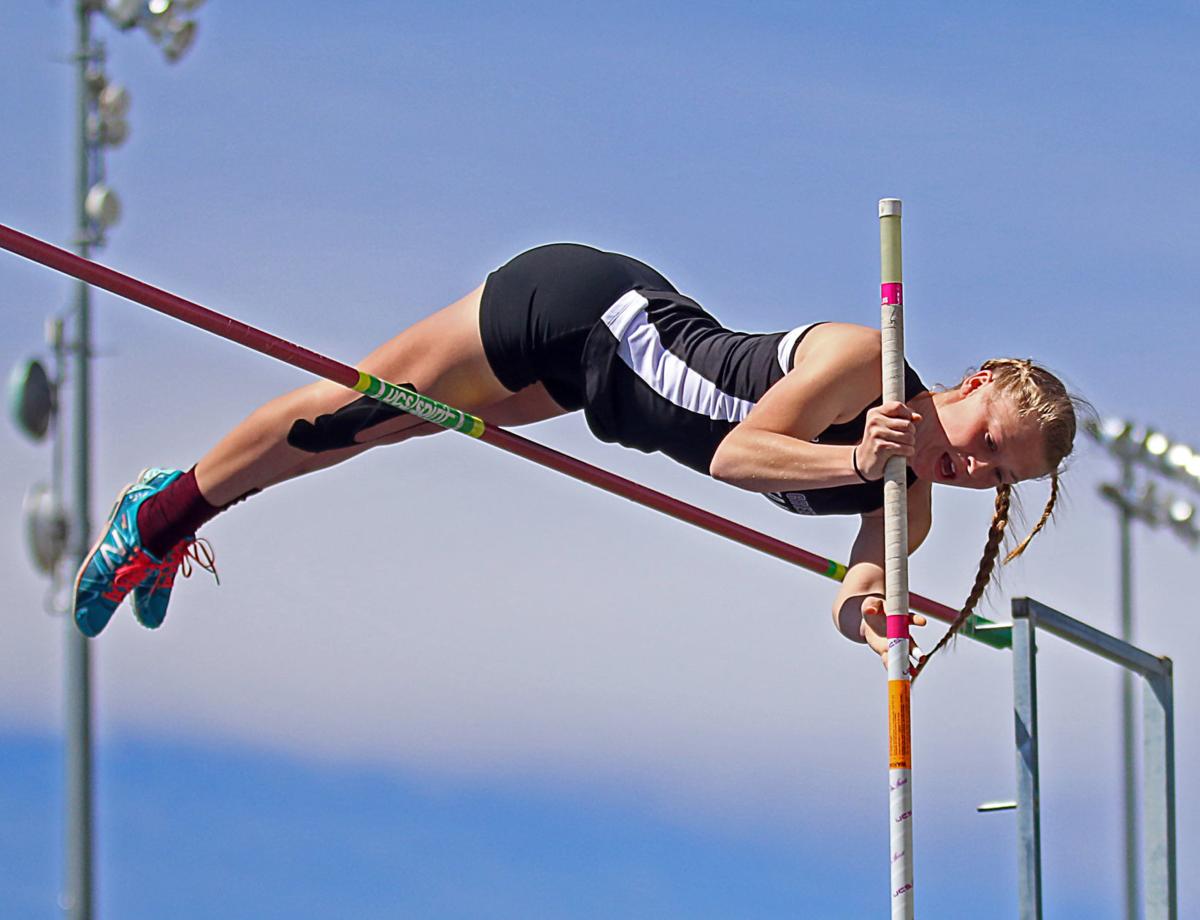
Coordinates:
[1038,394]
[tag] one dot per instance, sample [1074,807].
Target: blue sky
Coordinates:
[444,662]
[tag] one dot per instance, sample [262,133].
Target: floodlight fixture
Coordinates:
[46,527]
[160,19]
[113,100]
[1181,512]
[122,13]
[114,131]
[102,205]
[95,79]
[110,132]
[179,36]
[31,398]
[1114,429]
[1181,516]
[1149,448]
[1179,455]
[1156,444]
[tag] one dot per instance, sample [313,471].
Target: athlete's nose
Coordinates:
[980,469]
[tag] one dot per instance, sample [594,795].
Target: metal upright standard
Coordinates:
[895,533]
[1159,898]
[1029,807]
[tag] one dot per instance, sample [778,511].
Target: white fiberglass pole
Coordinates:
[895,532]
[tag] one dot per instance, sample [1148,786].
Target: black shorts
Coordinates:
[538,309]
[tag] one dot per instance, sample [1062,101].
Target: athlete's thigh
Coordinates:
[442,356]
[532,404]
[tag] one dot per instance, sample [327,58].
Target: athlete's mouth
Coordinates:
[946,467]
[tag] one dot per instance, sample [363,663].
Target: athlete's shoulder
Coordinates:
[848,340]
[846,354]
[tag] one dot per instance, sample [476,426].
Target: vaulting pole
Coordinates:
[448,417]
[895,533]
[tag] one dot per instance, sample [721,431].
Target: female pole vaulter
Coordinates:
[795,415]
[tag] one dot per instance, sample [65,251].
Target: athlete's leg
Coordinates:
[442,356]
[532,404]
[152,529]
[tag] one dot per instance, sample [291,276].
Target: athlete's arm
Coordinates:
[837,372]
[858,609]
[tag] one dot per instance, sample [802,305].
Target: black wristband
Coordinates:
[854,462]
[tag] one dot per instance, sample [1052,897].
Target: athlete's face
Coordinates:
[976,439]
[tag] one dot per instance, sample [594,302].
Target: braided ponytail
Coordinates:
[1047,513]
[988,563]
[991,550]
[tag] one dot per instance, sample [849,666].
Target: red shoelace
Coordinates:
[178,560]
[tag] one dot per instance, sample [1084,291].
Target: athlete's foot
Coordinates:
[118,563]
[151,596]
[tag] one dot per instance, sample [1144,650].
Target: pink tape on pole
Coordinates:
[891,294]
[897,627]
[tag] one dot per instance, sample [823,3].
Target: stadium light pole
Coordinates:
[1133,448]
[100,122]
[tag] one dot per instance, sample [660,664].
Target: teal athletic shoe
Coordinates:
[118,564]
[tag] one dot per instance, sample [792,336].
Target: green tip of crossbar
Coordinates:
[997,635]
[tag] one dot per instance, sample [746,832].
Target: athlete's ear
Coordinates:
[975,381]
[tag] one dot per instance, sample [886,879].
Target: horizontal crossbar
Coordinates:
[977,628]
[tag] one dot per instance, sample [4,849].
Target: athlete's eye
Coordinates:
[989,441]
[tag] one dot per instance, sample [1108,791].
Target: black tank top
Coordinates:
[662,375]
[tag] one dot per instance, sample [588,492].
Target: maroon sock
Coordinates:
[176,512]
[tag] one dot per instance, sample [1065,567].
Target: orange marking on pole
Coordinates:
[899,726]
